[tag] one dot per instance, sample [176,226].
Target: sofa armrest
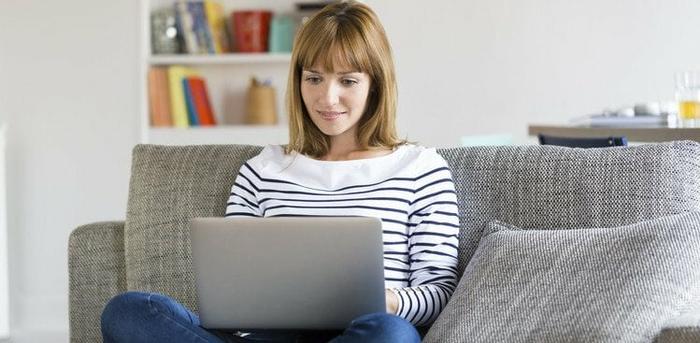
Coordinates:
[97,272]
[682,329]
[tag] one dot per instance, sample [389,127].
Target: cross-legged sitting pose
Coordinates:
[344,158]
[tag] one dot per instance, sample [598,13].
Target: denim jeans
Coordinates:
[152,317]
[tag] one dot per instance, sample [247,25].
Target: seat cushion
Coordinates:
[169,185]
[619,284]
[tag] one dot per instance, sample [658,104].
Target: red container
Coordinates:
[250,30]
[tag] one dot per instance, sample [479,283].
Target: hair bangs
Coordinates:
[337,47]
[345,36]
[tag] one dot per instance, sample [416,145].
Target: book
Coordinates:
[178,103]
[202,105]
[200,27]
[216,20]
[159,97]
[185,27]
[189,102]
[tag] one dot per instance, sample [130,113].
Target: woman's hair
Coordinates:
[347,33]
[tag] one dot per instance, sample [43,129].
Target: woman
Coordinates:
[343,159]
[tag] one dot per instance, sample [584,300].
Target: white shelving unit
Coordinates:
[238,134]
[239,58]
[227,77]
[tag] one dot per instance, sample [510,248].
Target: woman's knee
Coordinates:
[387,327]
[122,312]
[123,305]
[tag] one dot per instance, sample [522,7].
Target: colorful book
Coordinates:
[202,105]
[216,20]
[185,26]
[178,103]
[200,27]
[189,101]
[159,97]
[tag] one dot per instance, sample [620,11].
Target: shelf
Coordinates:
[659,134]
[235,58]
[225,134]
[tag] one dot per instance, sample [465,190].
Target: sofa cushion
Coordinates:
[169,185]
[551,187]
[603,284]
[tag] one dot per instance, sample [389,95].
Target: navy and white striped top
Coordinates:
[410,190]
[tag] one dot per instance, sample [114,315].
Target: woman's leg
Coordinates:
[151,317]
[379,327]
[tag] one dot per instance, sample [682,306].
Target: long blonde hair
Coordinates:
[348,33]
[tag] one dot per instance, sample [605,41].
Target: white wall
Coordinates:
[68,89]
[485,66]
[4,281]
[69,93]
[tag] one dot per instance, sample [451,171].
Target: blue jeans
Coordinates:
[152,317]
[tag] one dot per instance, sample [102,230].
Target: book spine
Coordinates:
[200,27]
[177,95]
[205,114]
[186,27]
[159,97]
[217,25]
[189,102]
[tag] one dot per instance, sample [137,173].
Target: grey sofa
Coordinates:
[530,187]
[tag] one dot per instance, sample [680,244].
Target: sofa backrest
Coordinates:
[555,187]
[528,186]
[169,185]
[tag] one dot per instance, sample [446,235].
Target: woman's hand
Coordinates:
[392,302]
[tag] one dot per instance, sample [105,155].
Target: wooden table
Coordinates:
[660,134]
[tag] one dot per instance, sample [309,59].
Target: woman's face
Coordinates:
[335,100]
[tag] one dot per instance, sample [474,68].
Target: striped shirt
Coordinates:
[410,190]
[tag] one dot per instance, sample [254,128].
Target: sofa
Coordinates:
[556,244]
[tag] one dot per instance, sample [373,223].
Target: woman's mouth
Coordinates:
[330,115]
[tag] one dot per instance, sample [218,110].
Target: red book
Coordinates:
[202,105]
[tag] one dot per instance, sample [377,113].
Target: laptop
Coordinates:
[297,273]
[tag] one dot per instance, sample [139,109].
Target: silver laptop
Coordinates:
[287,273]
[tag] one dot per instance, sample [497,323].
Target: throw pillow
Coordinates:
[606,284]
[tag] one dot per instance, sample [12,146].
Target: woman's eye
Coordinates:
[348,82]
[313,79]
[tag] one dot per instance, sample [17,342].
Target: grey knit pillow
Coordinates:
[607,284]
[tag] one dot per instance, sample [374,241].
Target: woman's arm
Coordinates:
[243,200]
[433,244]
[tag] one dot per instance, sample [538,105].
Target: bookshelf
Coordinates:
[227,77]
[222,59]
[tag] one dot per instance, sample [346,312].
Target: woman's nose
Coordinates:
[330,94]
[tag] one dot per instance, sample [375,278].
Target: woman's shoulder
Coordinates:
[270,154]
[272,151]
[424,157]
